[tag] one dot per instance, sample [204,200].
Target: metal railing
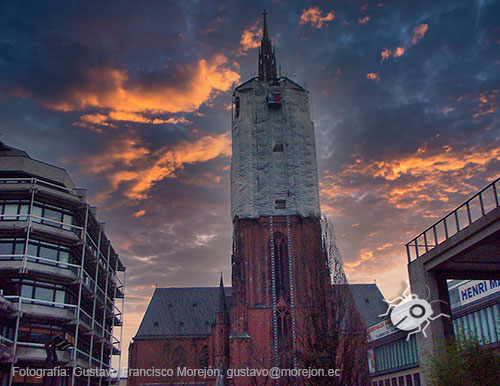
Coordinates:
[457,220]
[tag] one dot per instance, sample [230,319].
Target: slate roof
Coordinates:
[369,302]
[181,311]
[191,311]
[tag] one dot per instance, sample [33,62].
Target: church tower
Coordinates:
[279,268]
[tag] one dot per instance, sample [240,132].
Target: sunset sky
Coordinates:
[133,99]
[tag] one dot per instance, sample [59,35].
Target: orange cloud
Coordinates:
[115,89]
[447,109]
[385,54]
[409,181]
[139,213]
[364,256]
[90,120]
[399,52]
[364,20]
[489,102]
[250,38]
[127,160]
[418,33]
[373,76]
[393,198]
[122,151]
[314,16]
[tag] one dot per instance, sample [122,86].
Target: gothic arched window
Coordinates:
[281,273]
[179,357]
[204,357]
[284,327]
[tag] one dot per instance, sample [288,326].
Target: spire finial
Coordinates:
[267,60]
[265,34]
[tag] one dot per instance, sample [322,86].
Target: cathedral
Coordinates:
[279,303]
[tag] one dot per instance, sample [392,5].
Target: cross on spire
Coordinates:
[267,59]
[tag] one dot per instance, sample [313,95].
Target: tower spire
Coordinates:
[222,306]
[267,59]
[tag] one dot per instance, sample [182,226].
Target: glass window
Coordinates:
[394,382]
[19,248]
[179,357]
[416,379]
[60,296]
[37,213]
[44,293]
[48,253]
[27,291]
[64,256]
[409,381]
[32,249]
[23,209]
[204,357]
[67,220]
[10,209]
[401,381]
[51,214]
[6,248]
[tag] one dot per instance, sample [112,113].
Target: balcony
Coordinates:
[35,352]
[39,266]
[43,309]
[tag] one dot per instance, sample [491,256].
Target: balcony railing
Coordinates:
[457,220]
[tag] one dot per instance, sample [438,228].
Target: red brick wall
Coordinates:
[252,312]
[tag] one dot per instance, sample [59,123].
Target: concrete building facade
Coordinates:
[60,277]
[463,245]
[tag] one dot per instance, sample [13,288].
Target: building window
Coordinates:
[278,147]
[57,253]
[284,330]
[179,357]
[45,292]
[396,354]
[14,211]
[204,357]
[280,204]
[284,324]
[409,381]
[281,273]
[52,216]
[236,107]
[12,249]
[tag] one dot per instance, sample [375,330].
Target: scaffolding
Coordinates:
[90,277]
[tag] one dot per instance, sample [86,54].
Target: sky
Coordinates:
[133,99]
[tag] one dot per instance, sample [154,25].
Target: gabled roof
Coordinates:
[191,311]
[369,302]
[181,311]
